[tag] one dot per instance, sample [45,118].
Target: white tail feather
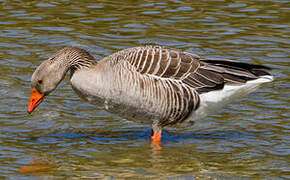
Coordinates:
[212,101]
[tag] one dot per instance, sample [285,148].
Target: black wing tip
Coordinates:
[234,63]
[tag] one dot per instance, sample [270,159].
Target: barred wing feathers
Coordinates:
[202,74]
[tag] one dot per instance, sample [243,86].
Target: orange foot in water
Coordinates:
[156,138]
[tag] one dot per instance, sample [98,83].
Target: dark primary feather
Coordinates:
[235,72]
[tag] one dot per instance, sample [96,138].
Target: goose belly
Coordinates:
[126,106]
[116,96]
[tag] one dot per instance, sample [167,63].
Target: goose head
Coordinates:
[51,72]
[45,79]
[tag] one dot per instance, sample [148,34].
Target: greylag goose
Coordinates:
[149,84]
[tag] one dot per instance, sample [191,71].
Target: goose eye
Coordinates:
[39,82]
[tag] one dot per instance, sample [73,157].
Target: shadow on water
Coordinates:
[113,137]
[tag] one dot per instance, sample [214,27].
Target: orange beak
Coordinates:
[35,99]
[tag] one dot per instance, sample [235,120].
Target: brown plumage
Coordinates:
[202,74]
[152,84]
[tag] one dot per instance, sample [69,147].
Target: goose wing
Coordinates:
[176,65]
[201,74]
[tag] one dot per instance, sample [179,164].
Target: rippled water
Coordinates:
[247,140]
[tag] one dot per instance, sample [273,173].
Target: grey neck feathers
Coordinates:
[73,58]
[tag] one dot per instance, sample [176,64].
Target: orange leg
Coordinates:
[156,138]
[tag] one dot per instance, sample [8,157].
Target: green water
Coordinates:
[247,140]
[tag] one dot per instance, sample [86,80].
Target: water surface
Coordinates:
[247,140]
